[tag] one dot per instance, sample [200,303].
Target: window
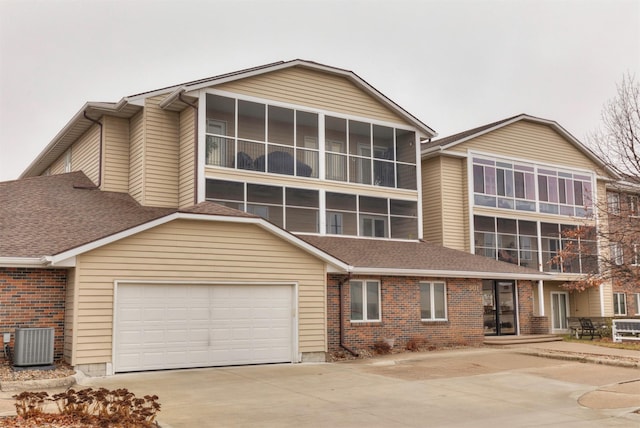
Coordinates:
[256,136]
[636,297]
[511,185]
[616,253]
[433,301]
[613,202]
[365,300]
[67,161]
[632,202]
[619,304]
[635,257]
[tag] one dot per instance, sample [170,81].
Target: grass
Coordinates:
[606,342]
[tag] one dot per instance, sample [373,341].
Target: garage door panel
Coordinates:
[176,326]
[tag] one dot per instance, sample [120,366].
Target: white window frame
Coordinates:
[431,286]
[620,298]
[613,203]
[632,201]
[67,161]
[637,299]
[365,302]
[616,255]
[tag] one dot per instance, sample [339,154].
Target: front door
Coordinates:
[559,311]
[498,298]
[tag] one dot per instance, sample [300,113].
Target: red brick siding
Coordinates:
[400,310]
[629,289]
[33,298]
[525,307]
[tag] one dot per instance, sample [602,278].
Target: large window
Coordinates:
[365,300]
[512,185]
[619,304]
[517,241]
[254,136]
[433,301]
[298,210]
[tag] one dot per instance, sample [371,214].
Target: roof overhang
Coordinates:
[24,262]
[449,273]
[438,149]
[74,129]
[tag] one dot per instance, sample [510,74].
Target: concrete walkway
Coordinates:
[473,387]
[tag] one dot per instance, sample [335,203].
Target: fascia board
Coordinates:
[23,261]
[64,257]
[449,273]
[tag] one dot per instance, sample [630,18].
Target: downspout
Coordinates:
[195,151]
[100,158]
[342,345]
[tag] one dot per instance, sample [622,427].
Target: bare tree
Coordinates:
[617,143]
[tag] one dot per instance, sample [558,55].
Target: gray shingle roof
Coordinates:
[419,255]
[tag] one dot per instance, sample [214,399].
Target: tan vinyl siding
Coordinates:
[607,292]
[85,154]
[57,167]
[69,313]
[136,157]
[454,204]
[116,154]
[187,177]
[161,157]
[529,141]
[201,251]
[432,200]
[301,86]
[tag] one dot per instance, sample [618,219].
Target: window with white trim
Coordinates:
[365,300]
[619,304]
[613,203]
[616,255]
[632,203]
[636,297]
[433,301]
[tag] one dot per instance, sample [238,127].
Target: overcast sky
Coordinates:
[453,64]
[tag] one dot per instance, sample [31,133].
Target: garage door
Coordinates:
[164,326]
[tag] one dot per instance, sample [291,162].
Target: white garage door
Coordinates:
[164,326]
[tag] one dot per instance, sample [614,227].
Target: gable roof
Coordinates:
[176,100]
[442,144]
[383,257]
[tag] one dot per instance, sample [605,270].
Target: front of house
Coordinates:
[268,215]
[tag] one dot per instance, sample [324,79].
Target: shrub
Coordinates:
[416,343]
[382,347]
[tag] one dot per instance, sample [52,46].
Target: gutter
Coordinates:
[448,273]
[24,261]
[341,313]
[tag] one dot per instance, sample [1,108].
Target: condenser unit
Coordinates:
[33,347]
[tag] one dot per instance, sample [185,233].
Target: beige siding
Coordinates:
[607,292]
[161,157]
[69,312]
[85,154]
[193,250]
[116,154]
[57,167]
[187,177]
[313,88]
[432,200]
[136,157]
[530,141]
[454,204]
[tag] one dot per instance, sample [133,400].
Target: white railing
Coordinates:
[625,329]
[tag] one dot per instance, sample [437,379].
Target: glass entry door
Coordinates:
[559,310]
[498,299]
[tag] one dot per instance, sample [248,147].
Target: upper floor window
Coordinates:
[298,210]
[513,185]
[633,205]
[254,136]
[613,203]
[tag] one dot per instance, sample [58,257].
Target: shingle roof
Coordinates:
[419,255]
[47,215]
[455,137]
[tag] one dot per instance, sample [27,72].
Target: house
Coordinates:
[623,232]
[519,190]
[272,214]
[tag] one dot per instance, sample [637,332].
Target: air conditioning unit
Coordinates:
[33,347]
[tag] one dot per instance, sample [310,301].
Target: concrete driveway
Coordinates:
[463,388]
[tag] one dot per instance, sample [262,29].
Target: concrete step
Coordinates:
[520,340]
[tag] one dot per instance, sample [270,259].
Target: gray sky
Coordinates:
[453,64]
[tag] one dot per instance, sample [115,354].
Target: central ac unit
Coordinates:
[33,346]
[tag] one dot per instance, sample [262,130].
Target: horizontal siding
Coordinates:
[454,204]
[315,89]
[530,141]
[116,154]
[57,166]
[136,157]
[287,180]
[161,155]
[85,154]
[186,186]
[191,250]
[432,201]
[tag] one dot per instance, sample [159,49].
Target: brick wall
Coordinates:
[525,308]
[33,298]
[400,310]
[629,289]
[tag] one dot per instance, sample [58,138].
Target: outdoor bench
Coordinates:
[582,327]
[625,329]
